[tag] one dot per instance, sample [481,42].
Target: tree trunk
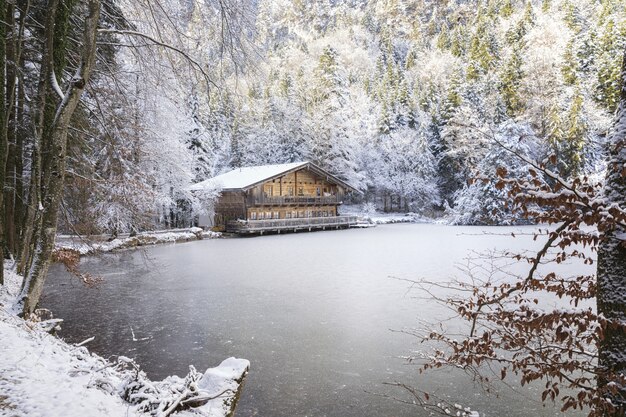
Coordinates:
[19,161]
[31,217]
[611,296]
[53,170]
[10,174]
[3,137]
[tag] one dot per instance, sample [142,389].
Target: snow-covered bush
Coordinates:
[482,201]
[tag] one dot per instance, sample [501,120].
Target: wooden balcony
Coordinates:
[294,200]
[292,225]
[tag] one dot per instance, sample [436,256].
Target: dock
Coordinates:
[244,227]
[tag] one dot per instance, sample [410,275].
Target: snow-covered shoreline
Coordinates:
[42,375]
[99,244]
[374,217]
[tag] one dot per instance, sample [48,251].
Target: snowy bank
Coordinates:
[98,244]
[367,216]
[41,375]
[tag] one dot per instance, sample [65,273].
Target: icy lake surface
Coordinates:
[317,314]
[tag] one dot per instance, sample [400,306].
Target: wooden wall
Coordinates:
[307,184]
[232,205]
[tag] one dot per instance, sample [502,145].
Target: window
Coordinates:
[268,215]
[300,191]
[294,214]
[317,191]
[276,215]
[290,191]
[300,213]
[288,215]
[253,215]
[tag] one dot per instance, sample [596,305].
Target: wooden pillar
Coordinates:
[245,205]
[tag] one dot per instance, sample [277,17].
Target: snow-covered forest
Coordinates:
[490,112]
[406,100]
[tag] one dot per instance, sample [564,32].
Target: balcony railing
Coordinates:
[259,226]
[298,200]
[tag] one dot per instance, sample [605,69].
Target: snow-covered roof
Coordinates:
[247,177]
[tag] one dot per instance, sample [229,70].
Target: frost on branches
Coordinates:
[576,350]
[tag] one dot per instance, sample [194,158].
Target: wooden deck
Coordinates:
[290,225]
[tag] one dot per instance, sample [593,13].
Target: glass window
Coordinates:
[253,215]
[276,215]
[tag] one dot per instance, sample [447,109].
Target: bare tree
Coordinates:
[579,353]
[53,163]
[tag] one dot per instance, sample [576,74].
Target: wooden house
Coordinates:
[273,198]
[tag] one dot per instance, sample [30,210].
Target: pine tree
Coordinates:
[510,80]
[529,14]
[608,66]
[330,79]
[457,41]
[410,60]
[507,9]
[443,40]
[569,70]
[483,50]
[574,136]
[385,124]
[572,16]
[555,135]
[285,85]
[453,97]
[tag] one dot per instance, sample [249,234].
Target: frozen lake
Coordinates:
[315,313]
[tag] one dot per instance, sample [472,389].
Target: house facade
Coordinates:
[296,196]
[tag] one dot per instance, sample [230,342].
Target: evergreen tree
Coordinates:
[569,70]
[574,137]
[507,9]
[609,46]
[443,40]
[510,80]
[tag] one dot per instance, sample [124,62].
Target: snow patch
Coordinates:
[369,217]
[85,246]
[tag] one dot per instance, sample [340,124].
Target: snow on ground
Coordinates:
[373,217]
[41,375]
[99,244]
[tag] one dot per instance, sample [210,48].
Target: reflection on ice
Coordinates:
[315,314]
